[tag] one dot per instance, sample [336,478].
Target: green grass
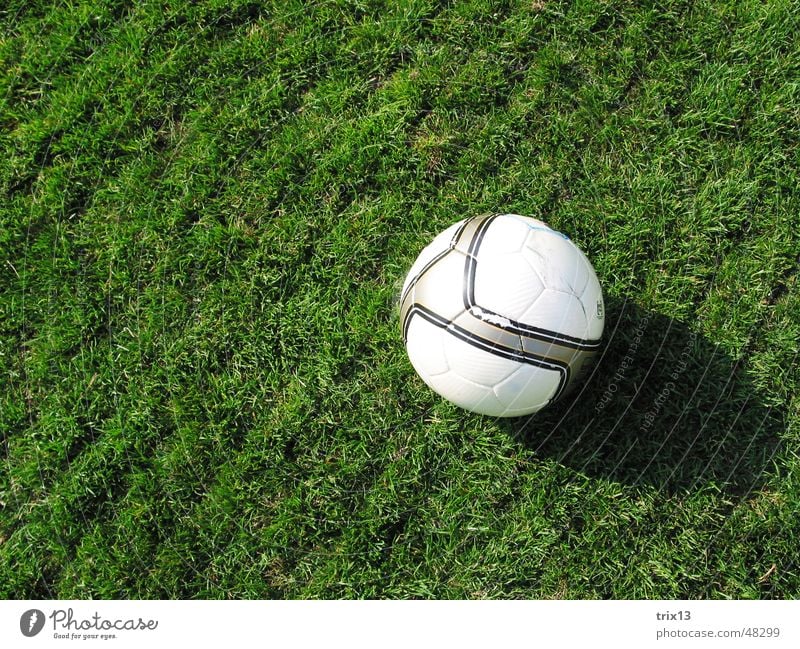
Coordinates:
[207,211]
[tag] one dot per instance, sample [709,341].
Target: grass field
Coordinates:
[208,210]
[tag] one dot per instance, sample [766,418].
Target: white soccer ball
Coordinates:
[501,314]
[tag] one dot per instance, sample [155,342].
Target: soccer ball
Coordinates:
[501,314]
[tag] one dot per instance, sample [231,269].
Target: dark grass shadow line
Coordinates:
[664,407]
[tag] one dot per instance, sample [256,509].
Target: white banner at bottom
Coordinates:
[372,624]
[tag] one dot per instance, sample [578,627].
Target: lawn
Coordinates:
[207,211]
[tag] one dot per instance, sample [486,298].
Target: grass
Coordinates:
[207,212]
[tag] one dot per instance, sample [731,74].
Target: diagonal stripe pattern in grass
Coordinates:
[207,213]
